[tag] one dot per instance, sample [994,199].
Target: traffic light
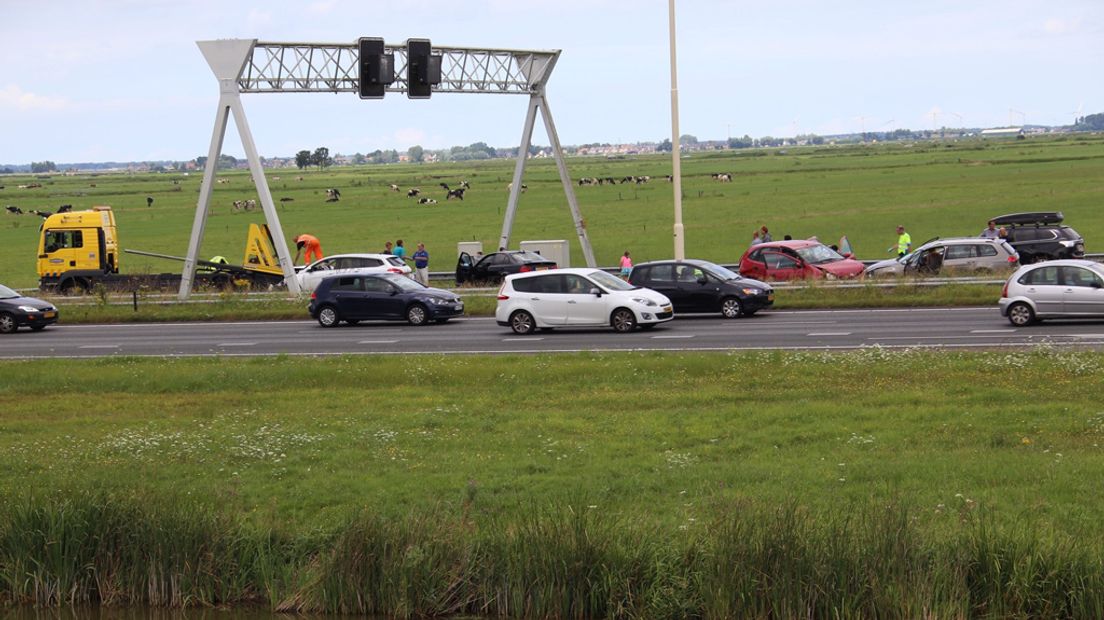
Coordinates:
[377,69]
[423,68]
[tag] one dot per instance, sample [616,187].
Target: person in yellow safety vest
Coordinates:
[904,242]
[214,259]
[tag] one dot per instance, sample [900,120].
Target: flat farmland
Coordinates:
[862,191]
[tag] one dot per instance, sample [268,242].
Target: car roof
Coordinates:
[964,240]
[383,256]
[582,271]
[685,261]
[793,244]
[1076,262]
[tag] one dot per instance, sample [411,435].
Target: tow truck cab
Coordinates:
[75,247]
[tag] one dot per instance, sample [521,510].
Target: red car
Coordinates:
[797,260]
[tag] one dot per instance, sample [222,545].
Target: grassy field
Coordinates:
[862,191]
[638,485]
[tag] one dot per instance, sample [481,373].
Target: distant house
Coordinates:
[1002,132]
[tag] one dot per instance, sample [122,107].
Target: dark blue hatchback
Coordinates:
[17,310]
[383,296]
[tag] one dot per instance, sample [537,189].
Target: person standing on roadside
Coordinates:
[387,247]
[764,235]
[399,250]
[311,245]
[904,242]
[991,232]
[626,265]
[421,265]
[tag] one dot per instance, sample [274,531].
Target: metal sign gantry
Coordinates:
[250,66]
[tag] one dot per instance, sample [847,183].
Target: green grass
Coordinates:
[638,485]
[861,191]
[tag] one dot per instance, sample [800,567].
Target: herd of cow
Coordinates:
[13,210]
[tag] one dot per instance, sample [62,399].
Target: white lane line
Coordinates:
[237,344]
[1082,335]
[929,337]
[673,337]
[829,334]
[377,342]
[522,339]
[100,346]
[992,331]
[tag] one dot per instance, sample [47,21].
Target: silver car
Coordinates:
[1053,289]
[958,255]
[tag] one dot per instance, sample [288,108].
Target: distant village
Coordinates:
[479,151]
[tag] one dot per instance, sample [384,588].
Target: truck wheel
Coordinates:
[327,317]
[7,324]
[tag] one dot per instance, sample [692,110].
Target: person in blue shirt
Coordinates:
[399,250]
[421,264]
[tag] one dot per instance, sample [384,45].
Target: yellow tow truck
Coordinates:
[78,250]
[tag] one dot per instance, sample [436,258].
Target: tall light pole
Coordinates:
[676,165]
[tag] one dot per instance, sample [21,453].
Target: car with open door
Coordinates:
[492,268]
[963,255]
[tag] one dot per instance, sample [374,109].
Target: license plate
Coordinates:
[460,306]
[542,268]
[49,315]
[770,297]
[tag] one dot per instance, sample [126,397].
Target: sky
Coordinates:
[122,80]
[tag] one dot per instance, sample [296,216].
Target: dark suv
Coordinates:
[701,286]
[1041,236]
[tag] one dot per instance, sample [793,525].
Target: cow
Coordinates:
[65,208]
[455,193]
[427,201]
[444,186]
[393,187]
[333,194]
[286,199]
[149,201]
[724,177]
[13,210]
[42,214]
[510,187]
[413,192]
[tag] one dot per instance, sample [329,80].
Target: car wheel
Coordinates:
[416,314]
[7,324]
[327,317]
[623,320]
[1021,314]
[730,308]
[522,323]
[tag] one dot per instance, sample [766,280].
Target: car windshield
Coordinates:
[819,254]
[7,293]
[1066,232]
[722,273]
[609,281]
[404,283]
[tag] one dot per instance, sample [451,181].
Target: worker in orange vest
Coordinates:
[312,246]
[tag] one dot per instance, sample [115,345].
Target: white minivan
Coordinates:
[577,298]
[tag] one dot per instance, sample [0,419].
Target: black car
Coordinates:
[384,296]
[17,310]
[492,268]
[701,286]
[1041,236]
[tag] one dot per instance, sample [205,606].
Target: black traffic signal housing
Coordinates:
[377,69]
[423,68]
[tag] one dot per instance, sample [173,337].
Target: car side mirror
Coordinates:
[597,292]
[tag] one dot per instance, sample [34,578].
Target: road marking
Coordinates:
[100,346]
[237,344]
[522,339]
[377,342]
[992,331]
[829,334]
[673,336]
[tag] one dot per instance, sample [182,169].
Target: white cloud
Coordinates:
[1058,26]
[14,97]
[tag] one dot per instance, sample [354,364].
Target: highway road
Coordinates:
[977,328]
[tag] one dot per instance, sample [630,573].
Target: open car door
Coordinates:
[464,266]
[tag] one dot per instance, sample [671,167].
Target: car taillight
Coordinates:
[525,268]
[501,296]
[314,295]
[394,270]
[1004,291]
[1013,258]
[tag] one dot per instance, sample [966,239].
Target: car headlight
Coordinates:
[828,275]
[644,301]
[751,291]
[30,309]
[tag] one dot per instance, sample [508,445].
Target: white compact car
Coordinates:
[577,298]
[349,265]
[1068,288]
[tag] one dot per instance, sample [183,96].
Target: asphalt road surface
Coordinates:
[977,328]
